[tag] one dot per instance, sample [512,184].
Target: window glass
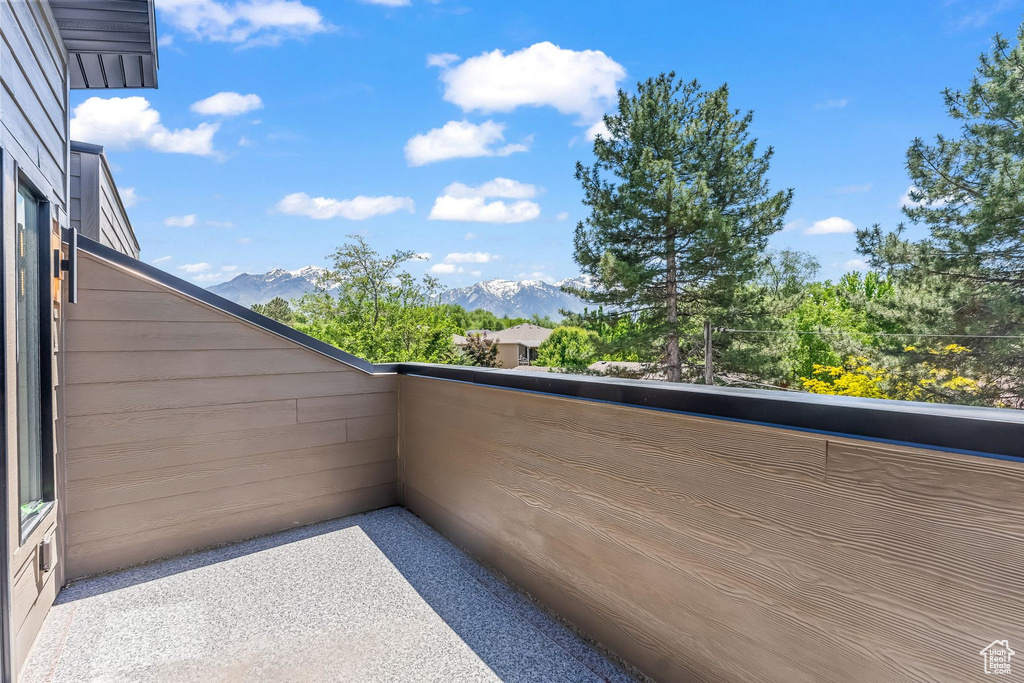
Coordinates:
[28,340]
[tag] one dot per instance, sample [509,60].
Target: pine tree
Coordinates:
[680,211]
[967,276]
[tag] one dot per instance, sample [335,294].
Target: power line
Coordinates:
[876,334]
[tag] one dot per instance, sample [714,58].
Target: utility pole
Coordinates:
[709,369]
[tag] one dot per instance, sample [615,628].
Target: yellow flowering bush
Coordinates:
[929,381]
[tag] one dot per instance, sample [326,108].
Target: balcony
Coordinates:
[693,533]
[372,597]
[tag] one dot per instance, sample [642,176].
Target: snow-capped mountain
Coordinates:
[501,297]
[514,298]
[248,289]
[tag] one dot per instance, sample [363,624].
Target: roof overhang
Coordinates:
[110,43]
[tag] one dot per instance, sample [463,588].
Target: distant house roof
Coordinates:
[526,334]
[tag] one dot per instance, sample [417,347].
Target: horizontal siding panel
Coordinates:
[41,116]
[168,541]
[116,460]
[155,483]
[753,555]
[187,511]
[182,427]
[46,52]
[95,274]
[144,366]
[374,427]
[83,335]
[114,397]
[358,405]
[130,428]
[149,306]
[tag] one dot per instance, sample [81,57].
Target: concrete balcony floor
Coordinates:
[373,597]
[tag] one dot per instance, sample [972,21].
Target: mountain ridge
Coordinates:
[513,298]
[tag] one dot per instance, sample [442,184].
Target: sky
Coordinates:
[452,127]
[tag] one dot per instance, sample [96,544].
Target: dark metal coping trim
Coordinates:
[86,147]
[207,297]
[988,432]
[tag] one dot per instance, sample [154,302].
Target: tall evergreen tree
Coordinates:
[680,210]
[967,276]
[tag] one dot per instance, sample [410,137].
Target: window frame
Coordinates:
[48,487]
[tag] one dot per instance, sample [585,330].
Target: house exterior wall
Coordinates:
[33,138]
[508,355]
[97,210]
[710,549]
[187,427]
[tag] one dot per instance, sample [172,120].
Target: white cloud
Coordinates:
[831,226]
[181,221]
[162,259]
[210,277]
[193,268]
[227,104]
[442,60]
[129,197]
[459,140]
[424,255]
[388,3]
[129,122]
[471,257]
[598,128]
[832,104]
[478,209]
[562,216]
[245,22]
[499,187]
[471,236]
[798,224]
[444,269]
[355,209]
[463,203]
[907,203]
[582,83]
[244,142]
[856,264]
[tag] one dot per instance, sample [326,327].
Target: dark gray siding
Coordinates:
[33,99]
[33,136]
[96,207]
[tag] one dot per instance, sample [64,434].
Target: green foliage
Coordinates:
[573,348]
[378,311]
[481,351]
[680,211]
[276,309]
[480,319]
[967,276]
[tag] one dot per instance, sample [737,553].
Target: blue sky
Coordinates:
[452,127]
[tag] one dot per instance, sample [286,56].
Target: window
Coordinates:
[34,484]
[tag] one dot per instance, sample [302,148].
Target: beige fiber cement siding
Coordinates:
[33,137]
[187,427]
[709,550]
